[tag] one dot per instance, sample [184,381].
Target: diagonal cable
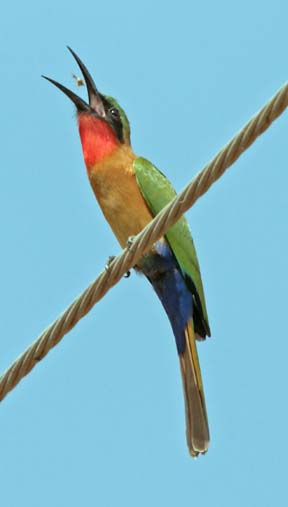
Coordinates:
[143,241]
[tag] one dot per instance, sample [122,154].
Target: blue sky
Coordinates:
[101,421]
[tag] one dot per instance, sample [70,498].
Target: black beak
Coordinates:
[79,103]
[95,102]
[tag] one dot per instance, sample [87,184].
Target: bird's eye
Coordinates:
[114,113]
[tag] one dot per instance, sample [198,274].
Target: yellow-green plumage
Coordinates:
[158,192]
[130,192]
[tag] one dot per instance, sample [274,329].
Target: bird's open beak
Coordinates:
[95,102]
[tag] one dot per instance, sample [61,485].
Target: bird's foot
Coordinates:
[130,241]
[108,263]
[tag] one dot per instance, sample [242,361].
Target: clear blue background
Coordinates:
[101,421]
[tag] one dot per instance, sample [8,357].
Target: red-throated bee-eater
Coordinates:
[131,191]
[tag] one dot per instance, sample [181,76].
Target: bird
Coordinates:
[131,191]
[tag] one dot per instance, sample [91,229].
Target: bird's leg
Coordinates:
[130,241]
[108,263]
[109,260]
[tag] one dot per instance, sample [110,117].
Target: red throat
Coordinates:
[97,137]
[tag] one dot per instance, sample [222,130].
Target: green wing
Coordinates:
[157,192]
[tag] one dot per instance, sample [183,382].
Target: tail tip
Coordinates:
[198,447]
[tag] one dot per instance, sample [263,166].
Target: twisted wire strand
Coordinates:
[143,241]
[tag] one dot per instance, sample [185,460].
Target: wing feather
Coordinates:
[158,192]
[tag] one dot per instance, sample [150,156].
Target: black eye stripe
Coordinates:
[113,117]
[116,122]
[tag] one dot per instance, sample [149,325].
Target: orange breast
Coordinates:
[115,187]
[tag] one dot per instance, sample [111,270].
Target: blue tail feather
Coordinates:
[162,269]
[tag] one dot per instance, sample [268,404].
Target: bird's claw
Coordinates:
[108,263]
[130,241]
[110,259]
